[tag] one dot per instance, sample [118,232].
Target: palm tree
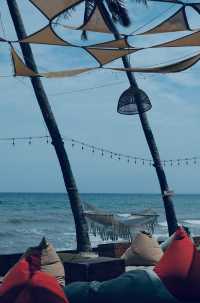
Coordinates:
[82,237]
[114,11]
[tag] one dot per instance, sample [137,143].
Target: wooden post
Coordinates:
[82,237]
[165,192]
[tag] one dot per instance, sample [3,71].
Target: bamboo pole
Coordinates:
[165,192]
[82,237]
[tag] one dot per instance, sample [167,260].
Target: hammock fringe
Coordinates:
[111,226]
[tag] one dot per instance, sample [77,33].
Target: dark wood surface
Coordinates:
[94,269]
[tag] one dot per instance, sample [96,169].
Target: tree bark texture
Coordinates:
[82,236]
[168,203]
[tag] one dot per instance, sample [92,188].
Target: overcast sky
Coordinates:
[90,115]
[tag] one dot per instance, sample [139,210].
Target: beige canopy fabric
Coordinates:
[171,1]
[67,73]
[20,69]
[96,23]
[53,8]
[104,56]
[196,6]
[189,40]
[171,68]
[120,43]
[176,22]
[46,36]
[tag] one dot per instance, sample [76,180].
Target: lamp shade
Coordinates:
[127,104]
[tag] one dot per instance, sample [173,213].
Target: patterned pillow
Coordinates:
[49,259]
[25,283]
[144,250]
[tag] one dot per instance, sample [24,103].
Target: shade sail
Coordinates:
[170,68]
[196,6]
[96,23]
[46,35]
[20,69]
[171,1]
[104,56]
[176,22]
[189,40]
[120,43]
[67,73]
[53,8]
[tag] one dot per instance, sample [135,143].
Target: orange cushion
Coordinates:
[24,283]
[176,267]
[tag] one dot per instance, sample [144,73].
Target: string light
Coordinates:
[102,151]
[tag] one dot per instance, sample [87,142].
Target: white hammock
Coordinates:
[112,226]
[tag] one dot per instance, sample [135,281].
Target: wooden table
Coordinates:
[94,269]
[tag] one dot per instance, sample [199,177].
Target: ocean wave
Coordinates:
[23,220]
[164,224]
[6,234]
[192,222]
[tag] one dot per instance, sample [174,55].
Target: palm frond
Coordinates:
[89,6]
[119,12]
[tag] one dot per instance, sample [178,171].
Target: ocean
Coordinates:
[26,217]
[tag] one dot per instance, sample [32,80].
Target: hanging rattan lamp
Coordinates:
[127,101]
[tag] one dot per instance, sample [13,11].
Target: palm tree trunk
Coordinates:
[82,237]
[168,203]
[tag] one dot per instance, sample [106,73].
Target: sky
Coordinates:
[85,108]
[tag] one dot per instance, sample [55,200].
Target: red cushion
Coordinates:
[15,280]
[193,281]
[24,283]
[175,267]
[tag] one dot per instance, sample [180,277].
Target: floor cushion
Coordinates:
[136,286]
[179,268]
[193,280]
[164,245]
[49,259]
[144,251]
[25,283]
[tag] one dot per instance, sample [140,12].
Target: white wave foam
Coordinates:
[164,224]
[192,222]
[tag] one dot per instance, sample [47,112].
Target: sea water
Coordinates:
[26,217]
